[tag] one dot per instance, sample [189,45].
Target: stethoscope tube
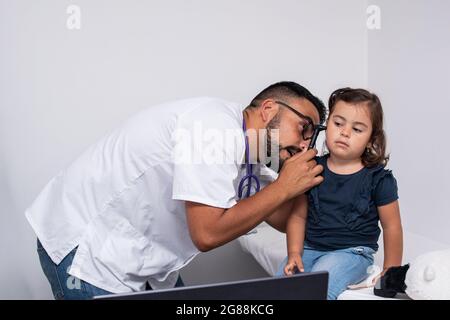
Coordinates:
[248,169]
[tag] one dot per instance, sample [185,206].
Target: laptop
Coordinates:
[303,286]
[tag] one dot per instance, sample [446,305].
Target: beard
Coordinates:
[271,144]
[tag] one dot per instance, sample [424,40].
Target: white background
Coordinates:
[62,89]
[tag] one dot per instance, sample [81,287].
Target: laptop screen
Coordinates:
[303,286]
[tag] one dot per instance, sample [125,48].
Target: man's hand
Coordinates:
[294,263]
[211,227]
[300,173]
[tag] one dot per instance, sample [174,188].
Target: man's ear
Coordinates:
[268,110]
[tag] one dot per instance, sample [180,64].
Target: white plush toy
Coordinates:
[428,277]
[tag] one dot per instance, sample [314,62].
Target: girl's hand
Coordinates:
[294,263]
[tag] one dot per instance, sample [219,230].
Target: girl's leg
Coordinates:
[345,267]
[309,257]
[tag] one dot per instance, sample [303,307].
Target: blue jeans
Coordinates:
[344,266]
[65,286]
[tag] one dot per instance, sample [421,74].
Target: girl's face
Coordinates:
[349,128]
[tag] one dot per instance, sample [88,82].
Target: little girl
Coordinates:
[334,227]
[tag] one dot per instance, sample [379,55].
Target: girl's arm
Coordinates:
[392,234]
[295,233]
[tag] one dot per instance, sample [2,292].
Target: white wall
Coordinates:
[409,66]
[61,89]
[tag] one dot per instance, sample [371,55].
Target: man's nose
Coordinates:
[303,145]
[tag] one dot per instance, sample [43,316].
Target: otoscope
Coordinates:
[317,129]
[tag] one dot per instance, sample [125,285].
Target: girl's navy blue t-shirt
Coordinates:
[342,210]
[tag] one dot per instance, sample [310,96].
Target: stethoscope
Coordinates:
[246,180]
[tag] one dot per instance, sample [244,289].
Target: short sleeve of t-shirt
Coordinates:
[208,148]
[386,190]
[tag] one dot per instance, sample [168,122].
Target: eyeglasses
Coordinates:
[308,127]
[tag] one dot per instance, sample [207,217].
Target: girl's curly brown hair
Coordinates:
[376,153]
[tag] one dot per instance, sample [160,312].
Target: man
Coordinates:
[141,203]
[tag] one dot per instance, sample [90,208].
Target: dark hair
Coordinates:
[376,154]
[288,89]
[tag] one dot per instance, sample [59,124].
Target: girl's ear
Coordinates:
[369,147]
